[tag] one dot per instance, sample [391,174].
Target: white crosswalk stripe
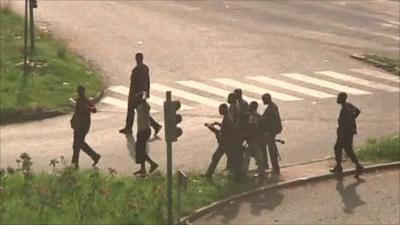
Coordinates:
[359,81]
[211,89]
[255,89]
[152,100]
[377,74]
[118,103]
[185,95]
[292,87]
[325,84]
[212,95]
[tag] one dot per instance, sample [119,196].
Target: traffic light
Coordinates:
[172,119]
[34,4]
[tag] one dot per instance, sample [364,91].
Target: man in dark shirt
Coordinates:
[80,123]
[225,136]
[272,125]
[347,128]
[140,82]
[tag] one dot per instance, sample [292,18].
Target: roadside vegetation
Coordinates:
[53,74]
[391,65]
[386,149]
[68,196]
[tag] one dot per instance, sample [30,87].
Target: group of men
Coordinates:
[244,133]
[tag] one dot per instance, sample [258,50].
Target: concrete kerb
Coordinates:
[46,114]
[295,182]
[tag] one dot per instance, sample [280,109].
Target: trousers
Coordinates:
[345,141]
[80,143]
[130,116]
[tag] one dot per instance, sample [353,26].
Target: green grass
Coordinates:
[68,196]
[52,78]
[389,64]
[386,149]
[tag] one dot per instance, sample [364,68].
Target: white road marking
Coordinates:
[152,100]
[211,89]
[118,103]
[326,84]
[359,81]
[292,87]
[184,94]
[393,22]
[255,89]
[377,74]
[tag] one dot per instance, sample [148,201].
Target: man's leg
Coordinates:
[76,146]
[348,148]
[273,154]
[156,126]
[338,155]
[219,152]
[130,117]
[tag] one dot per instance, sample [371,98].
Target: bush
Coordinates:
[386,149]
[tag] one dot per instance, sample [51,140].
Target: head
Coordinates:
[238,93]
[139,58]
[223,109]
[266,98]
[341,98]
[253,106]
[231,98]
[81,91]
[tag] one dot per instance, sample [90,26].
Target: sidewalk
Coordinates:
[373,199]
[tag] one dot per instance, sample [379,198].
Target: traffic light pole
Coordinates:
[169,173]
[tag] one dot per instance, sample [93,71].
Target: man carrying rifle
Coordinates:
[225,136]
[272,126]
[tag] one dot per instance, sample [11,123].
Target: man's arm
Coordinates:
[147,83]
[356,111]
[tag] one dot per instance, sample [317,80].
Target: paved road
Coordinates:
[372,200]
[192,44]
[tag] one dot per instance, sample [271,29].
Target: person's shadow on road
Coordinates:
[350,197]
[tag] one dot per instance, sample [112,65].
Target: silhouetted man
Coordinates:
[255,140]
[272,126]
[143,135]
[347,128]
[243,108]
[140,82]
[224,135]
[80,122]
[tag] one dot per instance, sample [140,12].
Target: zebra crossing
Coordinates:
[285,87]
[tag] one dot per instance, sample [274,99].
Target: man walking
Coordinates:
[225,136]
[272,126]
[347,128]
[143,135]
[80,123]
[140,82]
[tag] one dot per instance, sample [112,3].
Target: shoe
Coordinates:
[140,172]
[96,160]
[157,130]
[125,131]
[359,170]
[153,167]
[336,169]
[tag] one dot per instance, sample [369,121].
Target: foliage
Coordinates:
[382,150]
[53,72]
[69,196]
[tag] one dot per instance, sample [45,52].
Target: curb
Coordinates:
[44,114]
[299,181]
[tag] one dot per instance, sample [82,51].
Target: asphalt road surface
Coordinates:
[372,200]
[202,50]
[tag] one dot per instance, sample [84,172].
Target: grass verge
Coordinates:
[54,72]
[389,64]
[386,149]
[68,196]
